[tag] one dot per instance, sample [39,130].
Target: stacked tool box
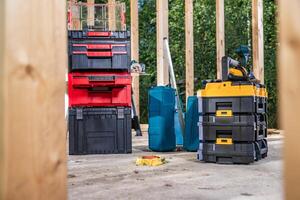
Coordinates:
[99,90]
[232,122]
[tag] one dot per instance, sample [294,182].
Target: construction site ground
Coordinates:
[182,177]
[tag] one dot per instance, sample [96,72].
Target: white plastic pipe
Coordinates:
[174,85]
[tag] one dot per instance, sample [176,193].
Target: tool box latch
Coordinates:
[79,114]
[224,113]
[225,141]
[120,113]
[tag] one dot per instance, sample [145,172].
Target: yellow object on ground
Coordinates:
[150,161]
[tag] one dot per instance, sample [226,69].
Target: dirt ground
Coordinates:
[183,177]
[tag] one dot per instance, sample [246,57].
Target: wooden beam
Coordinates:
[91,12]
[134,14]
[75,15]
[112,15]
[162,31]
[220,17]
[33,128]
[2,95]
[289,87]
[189,49]
[258,39]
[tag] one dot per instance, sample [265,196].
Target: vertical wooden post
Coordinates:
[112,15]
[289,87]
[76,12]
[189,49]
[220,17]
[134,13]
[32,123]
[2,95]
[258,39]
[162,23]
[91,12]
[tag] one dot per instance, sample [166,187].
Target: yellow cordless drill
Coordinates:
[235,70]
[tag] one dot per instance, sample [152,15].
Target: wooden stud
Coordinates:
[189,52]
[112,15]
[91,12]
[220,17]
[134,13]
[75,13]
[162,23]
[289,87]
[33,62]
[2,159]
[258,39]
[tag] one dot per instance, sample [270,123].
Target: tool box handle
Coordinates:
[99,53]
[94,53]
[94,46]
[99,46]
[101,78]
[94,81]
[224,141]
[99,34]
[223,105]
[224,113]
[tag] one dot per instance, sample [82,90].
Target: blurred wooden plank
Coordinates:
[91,12]
[112,15]
[258,39]
[33,130]
[162,23]
[134,13]
[274,132]
[189,49]
[220,17]
[289,87]
[75,13]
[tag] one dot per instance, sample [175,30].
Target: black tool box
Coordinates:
[236,133]
[239,153]
[243,120]
[239,128]
[238,105]
[99,130]
[99,50]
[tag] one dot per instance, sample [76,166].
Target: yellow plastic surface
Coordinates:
[224,141]
[224,113]
[236,72]
[226,89]
[150,161]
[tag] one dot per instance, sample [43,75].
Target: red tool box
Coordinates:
[99,89]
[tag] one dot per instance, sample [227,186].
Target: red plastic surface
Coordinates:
[98,54]
[99,34]
[99,46]
[99,89]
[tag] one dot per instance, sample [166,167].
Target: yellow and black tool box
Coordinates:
[232,122]
[229,153]
[240,97]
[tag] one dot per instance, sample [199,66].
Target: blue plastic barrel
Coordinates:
[161,119]
[191,136]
